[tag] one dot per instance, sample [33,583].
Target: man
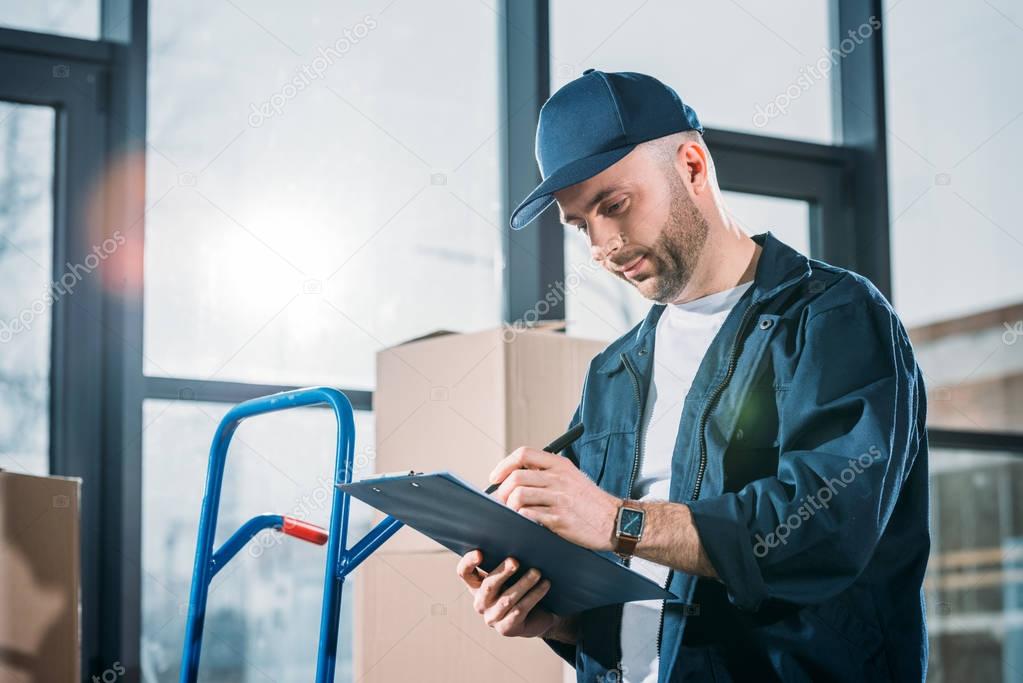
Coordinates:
[756,444]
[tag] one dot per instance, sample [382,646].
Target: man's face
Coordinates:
[641,223]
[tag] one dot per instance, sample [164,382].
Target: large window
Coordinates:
[26,268]
[974,596]
[313,195]
[955,230]
[955,134]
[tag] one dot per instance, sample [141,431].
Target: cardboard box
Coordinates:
[461,402]
[457,402]
[415,622]
[40,632]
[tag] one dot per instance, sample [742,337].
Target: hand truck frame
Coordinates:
[340,560]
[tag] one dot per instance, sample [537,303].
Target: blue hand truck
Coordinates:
[340,559]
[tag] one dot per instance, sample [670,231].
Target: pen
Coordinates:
[556,446]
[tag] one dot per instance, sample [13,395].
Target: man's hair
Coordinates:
[665,148]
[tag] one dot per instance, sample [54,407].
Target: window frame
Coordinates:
[28,76]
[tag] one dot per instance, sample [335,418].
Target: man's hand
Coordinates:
[558,495]
[509,610]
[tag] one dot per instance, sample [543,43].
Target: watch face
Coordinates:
[631,522]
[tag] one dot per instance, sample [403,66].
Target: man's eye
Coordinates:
[613,208]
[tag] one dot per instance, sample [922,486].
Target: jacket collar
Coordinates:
[780,266]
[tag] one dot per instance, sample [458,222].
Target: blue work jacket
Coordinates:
[802,453]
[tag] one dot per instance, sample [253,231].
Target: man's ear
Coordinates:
[694,166]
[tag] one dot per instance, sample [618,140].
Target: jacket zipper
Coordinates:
[632,479]
[639,426]
[732,362]
[701,470]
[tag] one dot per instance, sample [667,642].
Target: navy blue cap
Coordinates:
[594,121]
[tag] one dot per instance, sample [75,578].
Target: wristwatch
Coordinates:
[628,528]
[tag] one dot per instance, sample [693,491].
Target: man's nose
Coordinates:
[602,247]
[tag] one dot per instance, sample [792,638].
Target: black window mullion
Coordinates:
[1007,442]
[534,259]
[862,120]
[124,27]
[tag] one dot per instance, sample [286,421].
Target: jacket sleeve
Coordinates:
[563,650]
[847,438]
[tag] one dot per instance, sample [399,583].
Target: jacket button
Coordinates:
[766,323]
[642,351]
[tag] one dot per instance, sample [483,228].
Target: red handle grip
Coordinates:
[304,530]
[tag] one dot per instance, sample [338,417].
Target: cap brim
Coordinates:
[575,172]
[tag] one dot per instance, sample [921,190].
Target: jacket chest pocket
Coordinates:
[753,447]
[756,420]
[592,457]
[746,407]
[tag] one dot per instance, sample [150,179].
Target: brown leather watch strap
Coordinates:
[625,546]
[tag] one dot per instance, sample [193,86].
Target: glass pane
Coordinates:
[600,306]
[957,242]
[78,18]
[264,607]
[759,66]
[26,267]
[787,219]
[315,194]
[973,584]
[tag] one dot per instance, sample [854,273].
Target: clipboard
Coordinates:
[462,518]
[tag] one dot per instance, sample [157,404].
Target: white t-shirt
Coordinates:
[684,332]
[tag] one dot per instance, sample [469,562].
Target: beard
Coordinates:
[678,248]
